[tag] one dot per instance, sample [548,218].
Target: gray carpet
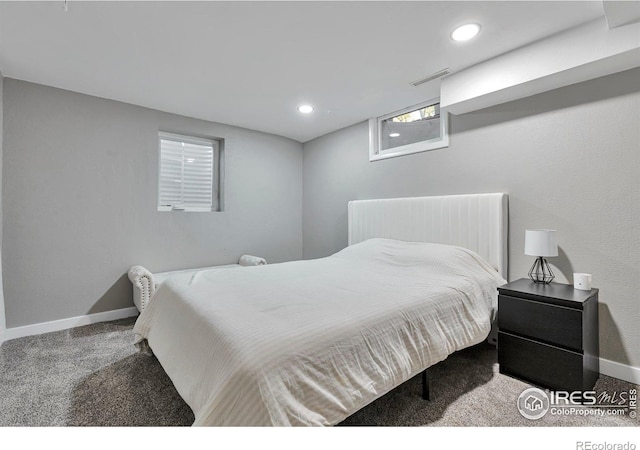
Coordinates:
[93,376]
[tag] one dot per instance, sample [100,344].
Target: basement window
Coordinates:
[418,128]
[188,174]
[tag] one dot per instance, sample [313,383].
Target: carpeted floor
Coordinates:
[93,376]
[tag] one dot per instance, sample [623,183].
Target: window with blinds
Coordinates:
[188,173]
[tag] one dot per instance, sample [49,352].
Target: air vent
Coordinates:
[433,76]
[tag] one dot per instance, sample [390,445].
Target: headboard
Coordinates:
[479,222]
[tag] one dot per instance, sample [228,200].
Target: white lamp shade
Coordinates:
[540,243]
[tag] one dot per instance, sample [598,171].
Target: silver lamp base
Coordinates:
[540,271]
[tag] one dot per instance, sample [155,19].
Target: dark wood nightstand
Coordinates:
[548,334]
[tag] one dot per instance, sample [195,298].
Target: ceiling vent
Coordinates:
[433,76]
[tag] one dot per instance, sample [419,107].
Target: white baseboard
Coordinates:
[64,324]
[620,371]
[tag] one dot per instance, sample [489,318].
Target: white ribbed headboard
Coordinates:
[478,222]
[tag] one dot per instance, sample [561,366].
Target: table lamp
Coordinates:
[541,243]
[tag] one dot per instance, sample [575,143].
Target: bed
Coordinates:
[311,342]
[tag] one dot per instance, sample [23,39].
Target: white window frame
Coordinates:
[375,128]
[216,174]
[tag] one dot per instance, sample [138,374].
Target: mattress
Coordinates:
[311,342]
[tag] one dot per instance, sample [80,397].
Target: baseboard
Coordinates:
[64,324]
[620,371]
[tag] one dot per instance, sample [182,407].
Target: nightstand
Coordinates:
[548,334]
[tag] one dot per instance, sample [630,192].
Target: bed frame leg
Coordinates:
[426,385]
[143,347]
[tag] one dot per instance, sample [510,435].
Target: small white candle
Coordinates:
[582,281]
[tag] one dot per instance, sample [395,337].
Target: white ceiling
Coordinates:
[251,63]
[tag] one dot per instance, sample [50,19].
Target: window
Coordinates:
[415,129]
[189,172]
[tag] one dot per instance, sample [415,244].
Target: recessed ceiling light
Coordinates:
[465,32]
[394,134]
[305,109]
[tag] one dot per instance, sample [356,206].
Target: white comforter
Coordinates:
[311,342]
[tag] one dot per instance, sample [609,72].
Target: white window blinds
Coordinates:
[187,173]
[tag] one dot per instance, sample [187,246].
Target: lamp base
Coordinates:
[540,271]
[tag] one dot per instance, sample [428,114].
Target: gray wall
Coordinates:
[79,189]
[2,314]
[569,159]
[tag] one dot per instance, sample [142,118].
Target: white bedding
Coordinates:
[311,342]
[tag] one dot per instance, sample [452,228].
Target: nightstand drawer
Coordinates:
[554,324]
[541,364]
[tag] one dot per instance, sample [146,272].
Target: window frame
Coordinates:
[375,128]
[216,144]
